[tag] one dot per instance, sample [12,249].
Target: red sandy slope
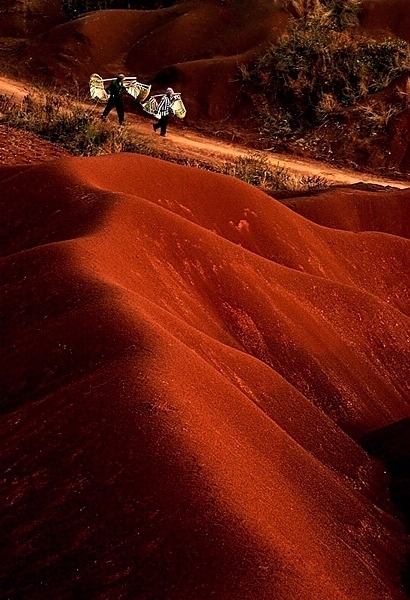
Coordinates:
[393,16]
[19,147]
[188,366]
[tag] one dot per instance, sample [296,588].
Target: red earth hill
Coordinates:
[195,46]
[189,366]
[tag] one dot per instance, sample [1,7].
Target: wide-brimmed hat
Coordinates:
[170,91]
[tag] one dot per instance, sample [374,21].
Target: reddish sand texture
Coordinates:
[19,147]
[379,16]
[22,18]
[188,367]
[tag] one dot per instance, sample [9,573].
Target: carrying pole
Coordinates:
[125,79]
[160,95]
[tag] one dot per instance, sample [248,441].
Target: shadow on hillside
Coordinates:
[391,444]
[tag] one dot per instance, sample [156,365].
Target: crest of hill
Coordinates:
[198,360]
[307,260]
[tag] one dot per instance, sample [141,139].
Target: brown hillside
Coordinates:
[391,15]
[198,47]
[194,46]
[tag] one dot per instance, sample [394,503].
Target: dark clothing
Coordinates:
[119,105]
[115,90]
[162,123]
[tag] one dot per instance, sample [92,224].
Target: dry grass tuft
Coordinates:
[322,75]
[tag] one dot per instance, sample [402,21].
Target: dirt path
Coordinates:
[206,148]
[201,147]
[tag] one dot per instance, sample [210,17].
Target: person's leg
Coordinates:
[120,110]
[164,122]
[110,105]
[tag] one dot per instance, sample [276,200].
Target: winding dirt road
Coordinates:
[200,147]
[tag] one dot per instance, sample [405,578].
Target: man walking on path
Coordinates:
[115,91]
[164,109]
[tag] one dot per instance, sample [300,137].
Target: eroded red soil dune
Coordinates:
[189,366]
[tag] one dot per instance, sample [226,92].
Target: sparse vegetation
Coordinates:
[325,71]
[315,63]
[374,115]
[256,170]
[405,94]
[68,124]
[62,121]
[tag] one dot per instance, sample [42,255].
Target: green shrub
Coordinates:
[257,170]
[343,14]
[308,65]
[320,66]
[338,14]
